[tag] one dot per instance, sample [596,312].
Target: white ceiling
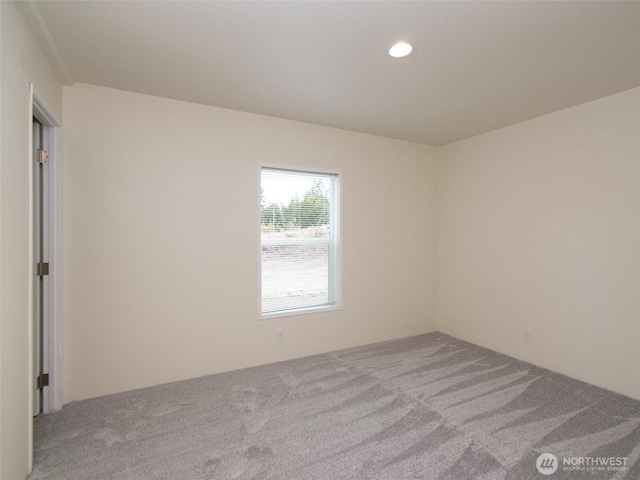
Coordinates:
[477,66]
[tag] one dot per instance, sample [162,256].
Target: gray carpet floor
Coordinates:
[425,407]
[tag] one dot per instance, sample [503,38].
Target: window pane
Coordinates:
[294,276]
[298,212]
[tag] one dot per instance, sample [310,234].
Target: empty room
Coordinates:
[319,240]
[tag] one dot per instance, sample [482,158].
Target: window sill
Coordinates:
[299,311]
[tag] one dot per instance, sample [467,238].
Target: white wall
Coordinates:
[161,240]
[21,62]
[538,227]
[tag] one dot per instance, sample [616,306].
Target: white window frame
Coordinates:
[336,221]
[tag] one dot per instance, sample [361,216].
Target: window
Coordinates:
[299,241]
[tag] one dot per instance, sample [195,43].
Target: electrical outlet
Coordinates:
[527,336]
[280,336]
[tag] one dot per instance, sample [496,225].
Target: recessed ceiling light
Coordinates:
[401,49]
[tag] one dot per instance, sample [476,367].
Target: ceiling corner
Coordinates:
[36,23]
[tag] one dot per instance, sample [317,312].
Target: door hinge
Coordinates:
[43,380]
[42,156]
[42,269]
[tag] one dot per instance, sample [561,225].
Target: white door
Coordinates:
[41,264]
